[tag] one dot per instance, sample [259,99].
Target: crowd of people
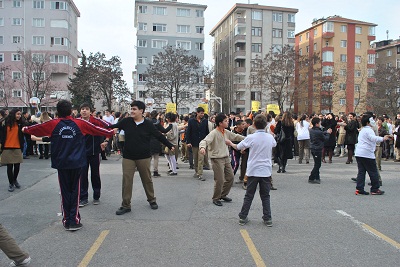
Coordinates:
[249,144]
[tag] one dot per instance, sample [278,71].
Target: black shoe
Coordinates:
[279,171]
[172,174]
[46,157]
[11,188]
[361,192]
[74,227]
[206,168]
[41,157]
[283,170]
[17,185]
[156,174]
[83,203]
[377,192]
[153,205]
[122,211]
[273,188]
[191,167]
[354,179]
[226,199]
[217,202]
[25,157]
[104,158]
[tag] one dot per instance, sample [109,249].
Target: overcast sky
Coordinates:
[107,26]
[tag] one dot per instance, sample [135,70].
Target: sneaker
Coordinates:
[361,192]
[96,201]
[169,171]
[122,211]
[74,227]
[153,205]
[17,185]
[22,263]
[354,179]
[156,174]
[268,223]
[243,221]
[201,178]
[83,203]
[377,192]
[206,168]
[11,188]
[244,186]
[172,174]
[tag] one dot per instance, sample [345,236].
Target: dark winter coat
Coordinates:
[318,139]
[155,144]
[351,133]
[330,124]
[284,149]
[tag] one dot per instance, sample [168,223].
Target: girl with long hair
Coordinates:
[12,144]
[284,147]
[303,138]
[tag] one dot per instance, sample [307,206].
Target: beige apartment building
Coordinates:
[388,53]
[247,31]
[338,81]
[32,32]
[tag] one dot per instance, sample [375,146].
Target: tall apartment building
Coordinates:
[388,53]
[246,32]
[339,81]
[166,23]
[46,29]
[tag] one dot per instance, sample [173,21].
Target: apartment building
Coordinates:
[166,23]
[246,32]
[338,82]
[46,31]
[388,53]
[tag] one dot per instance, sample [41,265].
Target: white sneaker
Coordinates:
[22,263]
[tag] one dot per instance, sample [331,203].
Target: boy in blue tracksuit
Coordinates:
[68,156]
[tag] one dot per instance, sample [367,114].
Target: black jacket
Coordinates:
[317,139]
[330,124]
[3,134]
[351,133]
[155,145]
[196,131]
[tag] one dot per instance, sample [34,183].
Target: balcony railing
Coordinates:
[239,102]
[240,69]
[241,54]
[240,39]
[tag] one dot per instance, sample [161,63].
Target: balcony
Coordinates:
[239,86]
[240,70]
[328,48]
[240,21]
[291,40]
[241,54]
[239,39]
[328,35]
[371,38]
[239,102]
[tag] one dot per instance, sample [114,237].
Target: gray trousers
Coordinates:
[10,247]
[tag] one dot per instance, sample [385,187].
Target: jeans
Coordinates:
[265,186]
[317,165]
[367,165]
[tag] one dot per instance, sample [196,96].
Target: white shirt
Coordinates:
[259,163]
[303,132]
[367,142]
[109,119]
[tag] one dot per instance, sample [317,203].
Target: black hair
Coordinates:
[260,121]
[11,120]
[199,109]
[249,121]
[273,115]
[238,122]
[85,105]
[139,104]
[154,114]
[117,114]
[315,121]
[172,117]
[353,114]
[219,118]
[365,119]
[186,118]
[64,108]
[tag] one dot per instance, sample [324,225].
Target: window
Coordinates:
[300,51]
[1,3]
[157,10]
[159,44]
[159,27]
[199,46]
[38,76]
[300,38]
[16,3]
[290,34]
[1,57]
[142,26]
[59,41]
[343,72]
[358,45]
[343,58]
[358,30]
[16,57]
[315,46]
[389,53]
[397,62]
[342,86]
[38,4]
[38,40]
[357,87]
[256,48]
[17,21]
[59,59]
[342,101]
[356,101]
[277,33]
[61,5]
[142,60]
[256,31]
[315,32]
[16,39]
[371,31]
[328,27]
[38,22]
[277,48]
[371,73]
[343,43]
[307,35]
[142,43]
[327,70]
[183,29]
[276,16]
[17,93]
[181,12]
[142,78]
[327,56]
[142,9]
[1,40]
[357,59]
[199,29]
[357,73]
[343,28]
[308,48]
[199,13]
[1,21]
[184,44]
[16,75]
[59,23]
[37,57]
[291,18]
[256,15]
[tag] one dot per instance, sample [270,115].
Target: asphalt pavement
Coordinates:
[313,225]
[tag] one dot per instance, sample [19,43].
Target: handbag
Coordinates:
[281,136]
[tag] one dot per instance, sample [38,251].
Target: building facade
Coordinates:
[38,51]
[338,81]
[246,32]
[388,53]
[166,23]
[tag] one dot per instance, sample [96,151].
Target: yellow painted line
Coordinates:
[252,248]
[89,255]
[382,236]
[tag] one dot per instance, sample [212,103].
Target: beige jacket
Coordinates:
[215,142]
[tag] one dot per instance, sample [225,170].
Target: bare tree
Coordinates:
[175,74]
[6,85]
